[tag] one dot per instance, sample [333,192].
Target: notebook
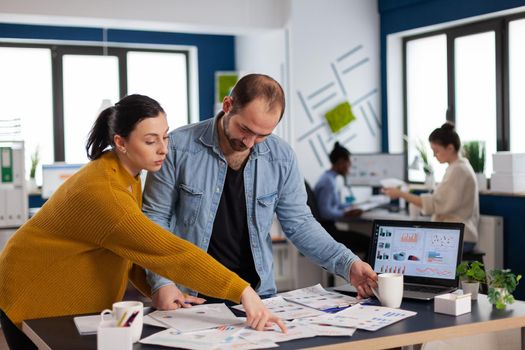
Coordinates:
[426,253]
[87,324]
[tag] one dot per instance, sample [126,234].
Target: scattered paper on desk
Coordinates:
[87,324]
[225,337]
[286,310]
[153,322]
[326,330]
[275,335]
[368,317]
[197,317]
[319,298]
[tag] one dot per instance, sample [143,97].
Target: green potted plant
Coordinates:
[35,160]
[471,274]
[502,283]
[474,151]
[427,167]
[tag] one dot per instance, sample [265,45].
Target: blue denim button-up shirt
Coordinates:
[184,195]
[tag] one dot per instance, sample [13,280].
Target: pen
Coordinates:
[119,323]
[131,319]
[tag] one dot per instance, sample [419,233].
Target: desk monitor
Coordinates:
[369,169]
[53,175]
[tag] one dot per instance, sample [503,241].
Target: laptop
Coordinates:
[426,253]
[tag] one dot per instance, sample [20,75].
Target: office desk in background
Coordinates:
[60,332]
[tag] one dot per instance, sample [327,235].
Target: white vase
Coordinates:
[470,287]
[32,187]
[482,181]
[430,182]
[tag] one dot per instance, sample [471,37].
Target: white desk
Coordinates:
[384,214]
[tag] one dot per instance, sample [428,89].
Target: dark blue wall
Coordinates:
[400,15]
[215,52]
[512,209]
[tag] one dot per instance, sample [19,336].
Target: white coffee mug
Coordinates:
[127,314]
[389,289]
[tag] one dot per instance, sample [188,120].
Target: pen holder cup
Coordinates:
[111,337]
[126,314]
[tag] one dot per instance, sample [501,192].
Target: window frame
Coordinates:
[58,50]
[500,27]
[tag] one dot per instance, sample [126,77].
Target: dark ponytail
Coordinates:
[446,135]
[99,136]
[120,119]
[339,152]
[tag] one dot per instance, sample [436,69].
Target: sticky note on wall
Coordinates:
[340,116]
[224,84]
[6,164]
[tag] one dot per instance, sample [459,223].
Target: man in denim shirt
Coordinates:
[222,182]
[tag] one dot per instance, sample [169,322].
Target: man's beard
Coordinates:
[236,144]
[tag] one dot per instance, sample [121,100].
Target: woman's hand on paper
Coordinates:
[257,315]
[363,278]
[169,297]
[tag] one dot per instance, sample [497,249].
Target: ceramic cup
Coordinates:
[130,311]
[389,289]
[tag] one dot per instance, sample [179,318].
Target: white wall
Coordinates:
[267,53]
[209,16]
[327,38]
[304,56]
[305,44]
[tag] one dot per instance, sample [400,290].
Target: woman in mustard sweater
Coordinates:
[76,254]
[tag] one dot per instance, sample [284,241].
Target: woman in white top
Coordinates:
[456,198]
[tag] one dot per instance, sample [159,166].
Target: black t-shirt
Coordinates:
[230,241]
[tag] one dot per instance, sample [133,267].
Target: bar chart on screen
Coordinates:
[393,269]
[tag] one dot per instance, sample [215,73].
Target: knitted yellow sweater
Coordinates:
[76,254]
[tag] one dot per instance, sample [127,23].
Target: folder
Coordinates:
[3,207]
[15,212]
[6,164]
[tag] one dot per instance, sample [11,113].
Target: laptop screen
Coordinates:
[424,252]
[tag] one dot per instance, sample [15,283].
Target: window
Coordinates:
[426,98]
[475,78]
[88,80]
[70,85]
[481,82]
[27,110]
[162,76]
[517,84]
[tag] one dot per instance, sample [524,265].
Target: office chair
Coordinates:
[358,243]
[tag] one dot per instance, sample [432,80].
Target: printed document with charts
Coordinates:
[286,310]
[319,298]
[242,337]
[224,337]
[368,317]
[197,318]
[214,326]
